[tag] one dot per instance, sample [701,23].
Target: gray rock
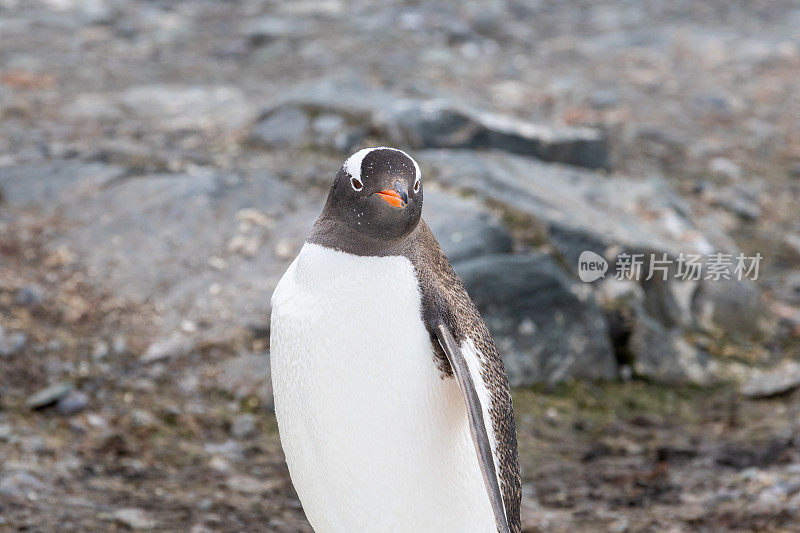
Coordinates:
[100,351]
[723,167]
[54,346]
[440,124]
[794,171]
[788,286]
[791,243]
[49,395]
[230,449]
[780,380]
[143,419]
[134,518]
[96,12]
[738,200]
[267,29]
[120,345]
[335,131]
[663,355]
[11,343]
[73,403]
[187,107]
[18,483]
[249,484]
[464,228]
[173,346]
[345,96]
[284,126]
[247,375]
[300,123]
[328,124]
[547,327]
[429,124]
[93,107]
[36,445]
[669,301]
[667,145]
[604,99]
[188,383]
[134,156]
[243,426]
[583,147]
[731,307]
[711,104]
[182,243]
[51,183]
[579,209]
[29,295]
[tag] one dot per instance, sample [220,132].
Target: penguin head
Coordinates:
[378,193]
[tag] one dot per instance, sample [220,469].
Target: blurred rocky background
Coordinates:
[162,161]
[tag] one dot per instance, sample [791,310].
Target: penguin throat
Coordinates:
[332,233]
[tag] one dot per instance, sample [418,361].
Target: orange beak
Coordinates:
[392,197]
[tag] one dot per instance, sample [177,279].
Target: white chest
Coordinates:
[374,438]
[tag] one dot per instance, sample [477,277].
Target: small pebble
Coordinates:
[73,403]
[49,395]
[134,518]
[6,432]
[29,295]
[100,351]
[243,426]
[120,345]
[12,344]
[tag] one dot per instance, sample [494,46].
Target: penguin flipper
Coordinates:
[477,427]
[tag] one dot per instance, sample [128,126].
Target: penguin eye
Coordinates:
[356,183]
[416,186]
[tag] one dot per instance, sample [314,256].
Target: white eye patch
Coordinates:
[353,166]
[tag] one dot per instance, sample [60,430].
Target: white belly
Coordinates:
[374,438]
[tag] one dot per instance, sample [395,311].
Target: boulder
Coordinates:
[779,380]
[443,124]
[297,125]
[740,200]
[49,184]
[464,228]
[731,307]
[197,246]
[548,328]
[284,126]
[580,209]
[664,355]
[187,107]
[430,122]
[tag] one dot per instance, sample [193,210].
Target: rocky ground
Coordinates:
[161,162]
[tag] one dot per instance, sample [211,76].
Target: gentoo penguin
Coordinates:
[392,401]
